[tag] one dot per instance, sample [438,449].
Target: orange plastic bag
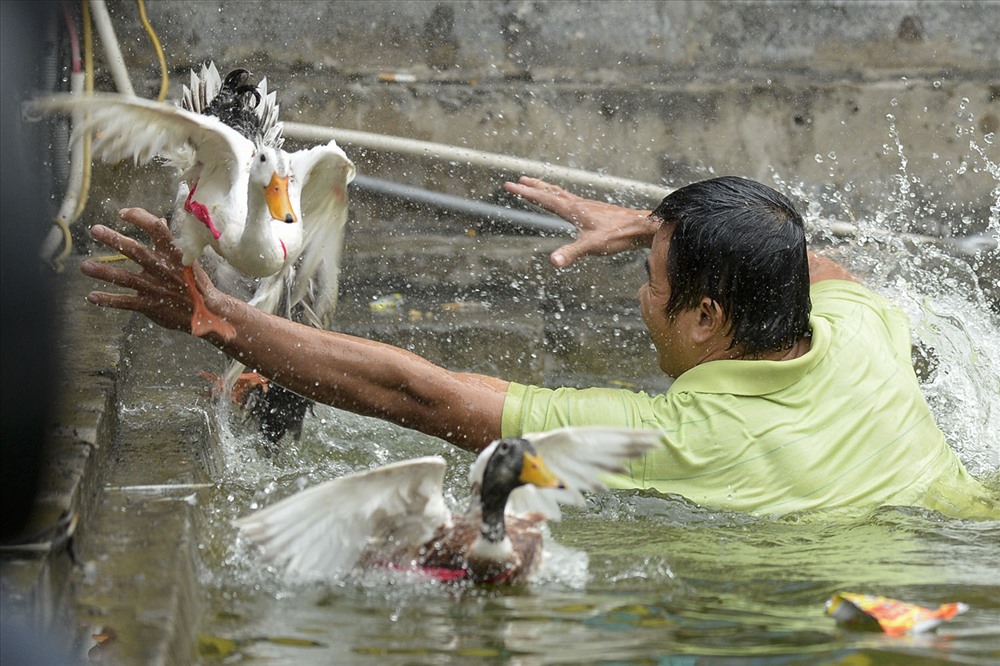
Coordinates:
[868,612]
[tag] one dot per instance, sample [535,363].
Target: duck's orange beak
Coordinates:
[278,202]
[534,471]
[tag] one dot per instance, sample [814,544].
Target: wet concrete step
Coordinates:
[36,576]
[137,554]
[128,454]
[391,246]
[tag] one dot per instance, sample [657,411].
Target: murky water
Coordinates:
[638,578]
[632,578]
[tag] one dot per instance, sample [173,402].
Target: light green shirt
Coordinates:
[843,426]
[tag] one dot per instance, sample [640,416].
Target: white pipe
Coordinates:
[496,161]
[116,63]
[74,184]
[543,170]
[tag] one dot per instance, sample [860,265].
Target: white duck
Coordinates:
[305,290]
[395,516]
[257,206]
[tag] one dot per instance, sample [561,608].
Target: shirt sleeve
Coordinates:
[535,409]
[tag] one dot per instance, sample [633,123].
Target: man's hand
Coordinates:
[160,293]
[602,228]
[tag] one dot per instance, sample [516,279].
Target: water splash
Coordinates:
[943,283]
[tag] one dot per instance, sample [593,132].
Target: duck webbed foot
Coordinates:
[244,384]
[203,320]
[247,382]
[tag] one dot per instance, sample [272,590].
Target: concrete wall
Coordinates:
[585,38]
[861,102]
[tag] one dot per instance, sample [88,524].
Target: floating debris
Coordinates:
[866,612]
[386,304]
[396,77]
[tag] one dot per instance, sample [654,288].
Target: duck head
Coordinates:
[270,173]
[514,463]
[237,83]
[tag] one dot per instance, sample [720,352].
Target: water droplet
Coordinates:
[818,158]
[937,84]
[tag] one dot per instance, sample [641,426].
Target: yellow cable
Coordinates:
[57,262]
[164,78]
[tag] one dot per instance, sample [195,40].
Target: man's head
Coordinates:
[733,255]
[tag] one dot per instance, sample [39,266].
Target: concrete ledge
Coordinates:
[128,455]
[36,576]
[138,553]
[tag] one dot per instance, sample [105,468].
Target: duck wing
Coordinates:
[146,130]
[581,457]
[323,173]
[324,530]
[198,95]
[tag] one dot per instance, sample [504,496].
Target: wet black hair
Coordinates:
[741,244]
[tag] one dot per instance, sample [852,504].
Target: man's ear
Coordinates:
[711,320]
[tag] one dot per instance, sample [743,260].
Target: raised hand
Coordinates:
[160,290]
[602,228]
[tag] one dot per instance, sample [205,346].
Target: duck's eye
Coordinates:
[504,447]
[263,157]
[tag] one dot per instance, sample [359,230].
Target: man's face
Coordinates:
[674,349]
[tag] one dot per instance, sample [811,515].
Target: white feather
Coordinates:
[324,530]
[143,130]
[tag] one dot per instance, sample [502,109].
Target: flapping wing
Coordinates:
[581,457]
[202,90]
[323,530]
[324,173]
[271,128]
[144,130]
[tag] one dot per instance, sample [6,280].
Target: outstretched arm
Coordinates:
[344,371]
[602,228]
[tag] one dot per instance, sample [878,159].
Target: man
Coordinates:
[776,407]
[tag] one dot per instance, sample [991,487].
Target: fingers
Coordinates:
[130,247]
[549,197]
[155,227]
[163,260]
[121,277]
[566,255]
[532,187]
[119,301]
